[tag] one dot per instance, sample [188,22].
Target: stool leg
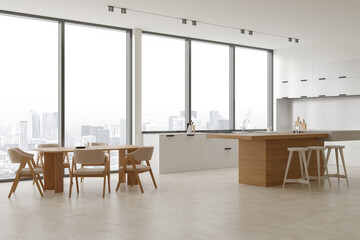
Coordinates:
[343,162]
[318,165]
[308,159]
[287,168]
[306,169]
[301,167]
[325,166]
[337,164]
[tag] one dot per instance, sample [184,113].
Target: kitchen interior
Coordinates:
[228,184]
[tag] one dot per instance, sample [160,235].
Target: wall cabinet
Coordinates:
[321,80]
[181,153]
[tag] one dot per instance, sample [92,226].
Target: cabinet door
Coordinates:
[170,154]
[191,153]
[341,70]
[229,153]
[293,89]
[341,86]
[321,88]
[322,71]
[305,88]
[355,68]
[303,72]
[355,86]
[284,89]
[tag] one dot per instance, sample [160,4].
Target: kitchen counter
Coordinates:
[263,155]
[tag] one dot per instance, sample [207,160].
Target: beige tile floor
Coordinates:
[193,205]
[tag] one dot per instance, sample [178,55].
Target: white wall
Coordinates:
[339,113]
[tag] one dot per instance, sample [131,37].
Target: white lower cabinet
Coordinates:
[182,153]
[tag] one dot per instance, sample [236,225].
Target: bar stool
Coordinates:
[302,160]
[318,149]
[337,148]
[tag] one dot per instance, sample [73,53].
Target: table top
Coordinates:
[268,135]
[71,149]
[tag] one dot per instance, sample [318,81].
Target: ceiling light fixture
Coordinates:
[194,23]
[110,8]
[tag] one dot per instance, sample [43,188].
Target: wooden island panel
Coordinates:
[263,156]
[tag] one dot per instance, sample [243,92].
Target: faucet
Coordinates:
[244,124]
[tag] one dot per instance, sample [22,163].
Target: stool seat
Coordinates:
[335,146]
[297,149]
[316,148]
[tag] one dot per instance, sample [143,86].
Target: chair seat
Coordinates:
[89,171]
[140,168]
[335,146]
[297,149]
[26,171]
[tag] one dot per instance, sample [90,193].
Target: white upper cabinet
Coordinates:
[321,87]
[341,69]
[303,73]
[355,68]
[322,71]
[341,86]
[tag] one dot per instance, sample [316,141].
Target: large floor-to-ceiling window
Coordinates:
[210,85]
[95,86]
[163,83]
[29,83]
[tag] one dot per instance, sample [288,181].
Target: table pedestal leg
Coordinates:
[54,171]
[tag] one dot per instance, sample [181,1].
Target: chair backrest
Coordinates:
[48,145]
[17,155]
[98,144]
[142,154]
[88,156]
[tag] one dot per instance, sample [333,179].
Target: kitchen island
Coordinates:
[263,156]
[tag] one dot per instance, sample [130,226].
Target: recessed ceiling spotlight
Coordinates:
[110,8]
[290,39]
[242,31]
[123,10]
[184,21]
[193,23]
[296,40]
[250,32]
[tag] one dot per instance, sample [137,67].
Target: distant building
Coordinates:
[23,135]
[50,126]
[35,125]
[100,134]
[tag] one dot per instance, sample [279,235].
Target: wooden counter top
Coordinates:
[269,135]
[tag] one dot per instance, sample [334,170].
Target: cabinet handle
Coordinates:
[322,79]
[285,81]
[227,149]
[322,95]
[342,76]
[303,80]
[342,94]
[303,97]
[170,135]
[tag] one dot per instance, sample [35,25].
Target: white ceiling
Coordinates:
[309,20]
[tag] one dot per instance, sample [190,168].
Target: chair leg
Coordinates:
[15,186]
[325,166]
[104,186]
[153,179]
[71,183]
[34,177]
[16,180]
[41,183]
[337,165]
[306,170]
[318,166]
[77,184]
[109,181]
[138,178]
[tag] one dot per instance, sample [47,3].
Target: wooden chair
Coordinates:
[133,165]
[108,154]
[89,157]
[18,156]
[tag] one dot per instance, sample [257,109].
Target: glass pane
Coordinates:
[29,81]
[163,83]
[210,86]
[95,107]
[250,88]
